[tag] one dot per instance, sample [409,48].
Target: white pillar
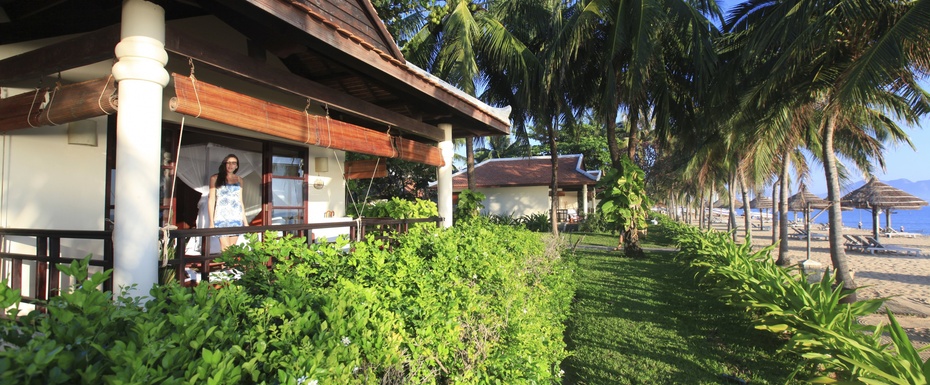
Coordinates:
[444,175]
[584,199]
[140,71]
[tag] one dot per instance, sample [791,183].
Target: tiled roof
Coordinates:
[532,171]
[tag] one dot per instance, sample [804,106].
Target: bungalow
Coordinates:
[115,114]
[521,186]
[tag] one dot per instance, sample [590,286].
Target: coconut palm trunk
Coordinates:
[554,186]
[470,162]
[731,221]
[746,217]
[837,252]
[783,214]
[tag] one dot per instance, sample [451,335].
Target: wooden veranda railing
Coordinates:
[45,278]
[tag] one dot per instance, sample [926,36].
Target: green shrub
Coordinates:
[820,327]
[477,303]
[396,208]
[595,223]
[538,222]
[506,220]
[469,205]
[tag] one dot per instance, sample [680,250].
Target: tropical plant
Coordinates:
[624,204]
[469,205]
[813,51]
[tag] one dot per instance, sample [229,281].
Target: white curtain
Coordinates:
[196,163]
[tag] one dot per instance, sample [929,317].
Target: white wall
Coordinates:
[569,201]
[45,184]
[50,184]
[332,196]
[516,201]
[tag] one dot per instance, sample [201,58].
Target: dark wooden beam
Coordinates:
[322,38]
[88,48]
[254,70]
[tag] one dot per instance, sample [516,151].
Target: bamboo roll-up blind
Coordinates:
[206,101]
[80,101]
[418,152]
[21,111]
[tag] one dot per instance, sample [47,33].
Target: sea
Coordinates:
[913,221]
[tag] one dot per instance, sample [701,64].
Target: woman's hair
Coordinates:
[221,174]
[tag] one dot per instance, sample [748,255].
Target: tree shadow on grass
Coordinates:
[645,321]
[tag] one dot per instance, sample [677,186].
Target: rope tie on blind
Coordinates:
[165,241]
[307,120]
[329,129]
[193,78]
[51,100]
[31,106]
[102,92]
[391,138]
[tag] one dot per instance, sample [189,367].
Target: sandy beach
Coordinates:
[903,279]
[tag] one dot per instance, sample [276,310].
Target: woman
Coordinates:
[225,204]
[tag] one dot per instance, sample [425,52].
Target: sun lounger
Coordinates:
[891,233]
[853,244]
[876,246]
[801,234]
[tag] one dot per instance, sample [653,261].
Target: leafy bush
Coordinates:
[396,208]
[477,303]
[595,223]
[469,205]
[538,222]
[506,220]
[821,328]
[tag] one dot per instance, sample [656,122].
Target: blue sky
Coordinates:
[901,162]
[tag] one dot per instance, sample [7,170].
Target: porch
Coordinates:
[39,279]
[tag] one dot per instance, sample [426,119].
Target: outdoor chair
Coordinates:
[875,245]
[890,233]
[803,234]
[854,244]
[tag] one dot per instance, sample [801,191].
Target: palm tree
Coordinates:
[644,56]
[466,44]
[821,52]
[639,56]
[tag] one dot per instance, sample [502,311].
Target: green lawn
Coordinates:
[644,321]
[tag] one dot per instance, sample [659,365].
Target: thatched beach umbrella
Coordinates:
[762,203]
[804,201]
[722,204]
[878,196]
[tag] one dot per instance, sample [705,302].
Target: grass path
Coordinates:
[643,321]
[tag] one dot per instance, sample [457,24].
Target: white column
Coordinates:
[584,199]
[444,175]
[141,74]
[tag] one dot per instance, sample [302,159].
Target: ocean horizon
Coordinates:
[914,221]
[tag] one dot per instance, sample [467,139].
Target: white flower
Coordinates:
[561,373]
[356,369]
[346,341]
[474,276]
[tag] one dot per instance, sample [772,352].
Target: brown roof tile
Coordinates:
[533,171]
